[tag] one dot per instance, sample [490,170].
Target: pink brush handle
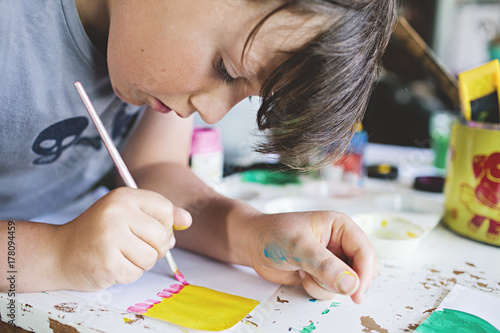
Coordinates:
[119,163]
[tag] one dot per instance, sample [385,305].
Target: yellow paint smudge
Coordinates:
[203,309]
[411,234]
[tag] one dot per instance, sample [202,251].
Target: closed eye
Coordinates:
[222,73]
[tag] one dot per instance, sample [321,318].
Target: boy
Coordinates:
[313,63]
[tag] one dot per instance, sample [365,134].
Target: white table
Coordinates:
[404,294]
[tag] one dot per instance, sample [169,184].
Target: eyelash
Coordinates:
[220,68]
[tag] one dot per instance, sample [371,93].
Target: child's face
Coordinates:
[173,54]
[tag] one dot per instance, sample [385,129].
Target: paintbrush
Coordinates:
[120,164]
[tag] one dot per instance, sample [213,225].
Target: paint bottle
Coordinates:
[352,161]
[349,168]
[207,155]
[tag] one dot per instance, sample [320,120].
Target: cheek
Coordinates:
[125,66]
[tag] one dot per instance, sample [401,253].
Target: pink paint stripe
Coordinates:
[174,289]
[136,309]
[144,305]
[164,294]
[153,301]
[178,275]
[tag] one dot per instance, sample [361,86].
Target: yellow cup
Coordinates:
[472,187]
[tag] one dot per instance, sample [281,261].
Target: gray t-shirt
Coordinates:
[50,151]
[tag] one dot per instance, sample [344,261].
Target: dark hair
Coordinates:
[313,102]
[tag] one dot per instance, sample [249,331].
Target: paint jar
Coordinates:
[207,155]
[392,236]
[440,132]
[349,168]
[472,186]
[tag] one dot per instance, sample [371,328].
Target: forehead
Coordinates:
[260,50]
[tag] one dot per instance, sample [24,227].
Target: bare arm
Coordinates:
[28,255]
[326,252]
[158,156]
[218,228]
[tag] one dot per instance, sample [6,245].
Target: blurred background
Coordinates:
[460,34]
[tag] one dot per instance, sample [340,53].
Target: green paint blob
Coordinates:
[308,329]
[270,177]
[333,305]
[453,321]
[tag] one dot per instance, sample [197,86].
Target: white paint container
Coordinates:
[392,236]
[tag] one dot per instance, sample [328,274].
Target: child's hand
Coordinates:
[326,252]
[118,238]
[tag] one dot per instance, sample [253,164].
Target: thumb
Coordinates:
[344,282]
[182,219]
[326,274]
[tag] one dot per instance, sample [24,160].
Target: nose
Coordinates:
[214,103]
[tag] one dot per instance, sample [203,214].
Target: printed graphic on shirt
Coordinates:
[55,139]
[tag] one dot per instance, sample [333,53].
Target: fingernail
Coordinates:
[180,227]
[346,282]
[172,242]
[302,274]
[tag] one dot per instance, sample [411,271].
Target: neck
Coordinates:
[94,15]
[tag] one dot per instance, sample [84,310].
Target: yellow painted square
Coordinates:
[203,309]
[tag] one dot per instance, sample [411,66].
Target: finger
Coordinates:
[350,240]
[155,205]
[365,279]
[140,253]
[312,287]
[153,233]
[330,273]
[116,268]
[288,278]
[360,252]
[161,209]
[172,242]
[128,274]
[182,219]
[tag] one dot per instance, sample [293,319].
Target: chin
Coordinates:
[128,99]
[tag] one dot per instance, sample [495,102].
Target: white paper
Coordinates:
[474,302]
[198,270]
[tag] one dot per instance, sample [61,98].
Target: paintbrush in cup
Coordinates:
[120,164]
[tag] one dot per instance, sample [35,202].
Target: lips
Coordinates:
[158,105]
